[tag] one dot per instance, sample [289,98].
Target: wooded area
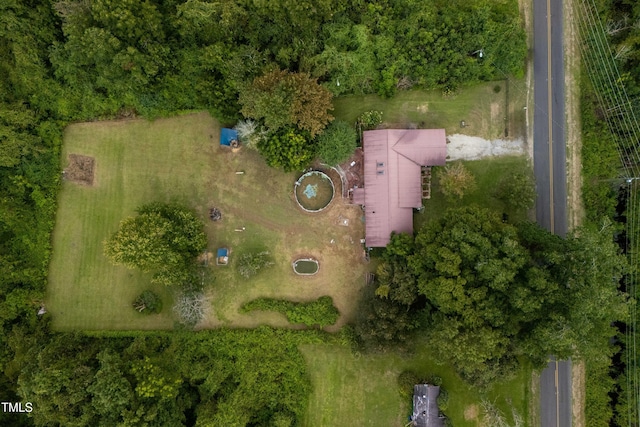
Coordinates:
[71,61]
[487,293]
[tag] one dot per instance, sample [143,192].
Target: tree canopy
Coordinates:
[164,239]
[336,143]
[282,98]
[500,292]
[289,149]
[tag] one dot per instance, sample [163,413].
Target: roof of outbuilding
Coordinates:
[425,406]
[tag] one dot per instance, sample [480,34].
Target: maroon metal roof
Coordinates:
[392,185]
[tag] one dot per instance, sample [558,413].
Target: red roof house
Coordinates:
[393,159]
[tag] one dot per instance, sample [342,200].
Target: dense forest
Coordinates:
[65,61]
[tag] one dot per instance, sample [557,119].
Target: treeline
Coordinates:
[109,57]
[486,294]
[609,154]
[229,378]
[64,61]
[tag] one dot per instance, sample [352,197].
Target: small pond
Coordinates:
[306,267]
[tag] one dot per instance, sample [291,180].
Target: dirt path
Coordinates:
[464,147]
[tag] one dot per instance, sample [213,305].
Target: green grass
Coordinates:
[179,159]
[487,172]
[483,109]
[361,390]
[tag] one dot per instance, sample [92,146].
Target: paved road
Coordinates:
[555,396]
[549,116]
[549,166]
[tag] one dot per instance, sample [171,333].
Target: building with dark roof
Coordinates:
[393,159]
[425,406]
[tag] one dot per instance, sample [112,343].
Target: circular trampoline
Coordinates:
[314,191]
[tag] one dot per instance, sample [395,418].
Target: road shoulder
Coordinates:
[575,208]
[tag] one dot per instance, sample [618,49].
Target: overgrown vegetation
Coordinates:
[609,158]
[250,263]
[320,312]
[75,61]
[165,379]
[148,302]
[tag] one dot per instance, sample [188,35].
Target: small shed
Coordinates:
[222,257]
[229,137]
[425,406]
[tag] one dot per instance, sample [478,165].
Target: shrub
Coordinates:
[148,302]
[443,399]
[517,191]
[250,132]
[433,380]
[336,143]
[370,119]
[456,180]
[320,312]
[190,307]
[288,149]
[406,381]
[249,264]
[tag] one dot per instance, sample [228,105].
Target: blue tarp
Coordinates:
[228,135]
[222,252]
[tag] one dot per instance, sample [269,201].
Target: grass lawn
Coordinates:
[361,390]
[487,109]
[487,172]
[179,159]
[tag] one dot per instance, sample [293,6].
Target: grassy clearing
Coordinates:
[487,109]
[361,390]
[179,159]
[488,173]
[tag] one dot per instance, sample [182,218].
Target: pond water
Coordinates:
[306,267]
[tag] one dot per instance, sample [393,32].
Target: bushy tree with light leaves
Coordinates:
[164,239]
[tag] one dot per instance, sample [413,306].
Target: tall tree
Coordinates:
[161,238]
[483,286]
[337,142]
[282,98]
[288,149]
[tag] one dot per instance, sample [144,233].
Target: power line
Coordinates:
[620,117]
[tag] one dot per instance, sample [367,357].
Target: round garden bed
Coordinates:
[306,266]
[314,191]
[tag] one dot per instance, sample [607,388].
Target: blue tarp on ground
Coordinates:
[228,135]
[223,256]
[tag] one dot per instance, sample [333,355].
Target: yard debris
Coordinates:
[215,214]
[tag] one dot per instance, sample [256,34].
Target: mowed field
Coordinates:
[361,389]
[491,110]
[179,159]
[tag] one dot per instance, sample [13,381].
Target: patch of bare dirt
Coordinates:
[578,394]
[471,412]
[81,169]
